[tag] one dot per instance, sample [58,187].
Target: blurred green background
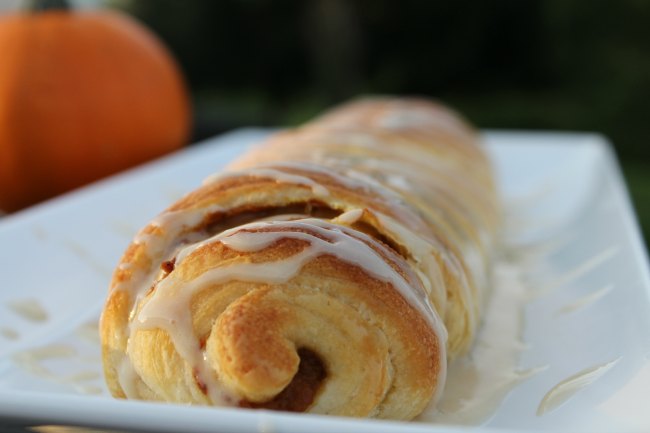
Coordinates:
[554,64]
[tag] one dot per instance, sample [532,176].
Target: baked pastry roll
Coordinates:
[334,269]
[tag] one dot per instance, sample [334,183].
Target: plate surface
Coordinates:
[589,308]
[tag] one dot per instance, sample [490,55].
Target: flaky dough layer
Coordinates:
[334,269]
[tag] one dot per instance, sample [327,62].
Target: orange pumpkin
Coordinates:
[83,94]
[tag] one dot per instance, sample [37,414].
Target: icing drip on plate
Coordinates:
[168,307]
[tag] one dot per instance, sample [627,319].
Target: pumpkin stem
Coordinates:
[48,5]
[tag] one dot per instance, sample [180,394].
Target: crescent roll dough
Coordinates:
[333,269]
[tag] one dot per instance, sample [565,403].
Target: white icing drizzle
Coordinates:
[158,247]
[419,166]
[271,173]
[478,382]
[9,333]
[162,246]
[31,360]
[472,256]
[585,300]
[390,198]
[47,352]
[357,181]
[564,390]
[425,183]
[304,166]
[89,390]
[348,218]
[168,308]
[350,247]
[578,271]
[474,203]
[128,377]
[401,117]
[86,256]
[173,223]
[399,182]
[34,361]
[29,309]
[423,252]
[416,156]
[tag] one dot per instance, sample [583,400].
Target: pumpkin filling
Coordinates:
[299,395]
[220,222]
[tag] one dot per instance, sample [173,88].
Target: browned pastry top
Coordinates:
[334,269]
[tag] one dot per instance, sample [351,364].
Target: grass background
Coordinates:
[582,65]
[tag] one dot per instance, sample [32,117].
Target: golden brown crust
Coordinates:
[235,296]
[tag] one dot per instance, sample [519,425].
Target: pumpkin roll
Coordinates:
[334,269]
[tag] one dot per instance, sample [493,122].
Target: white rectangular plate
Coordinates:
[568,191]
